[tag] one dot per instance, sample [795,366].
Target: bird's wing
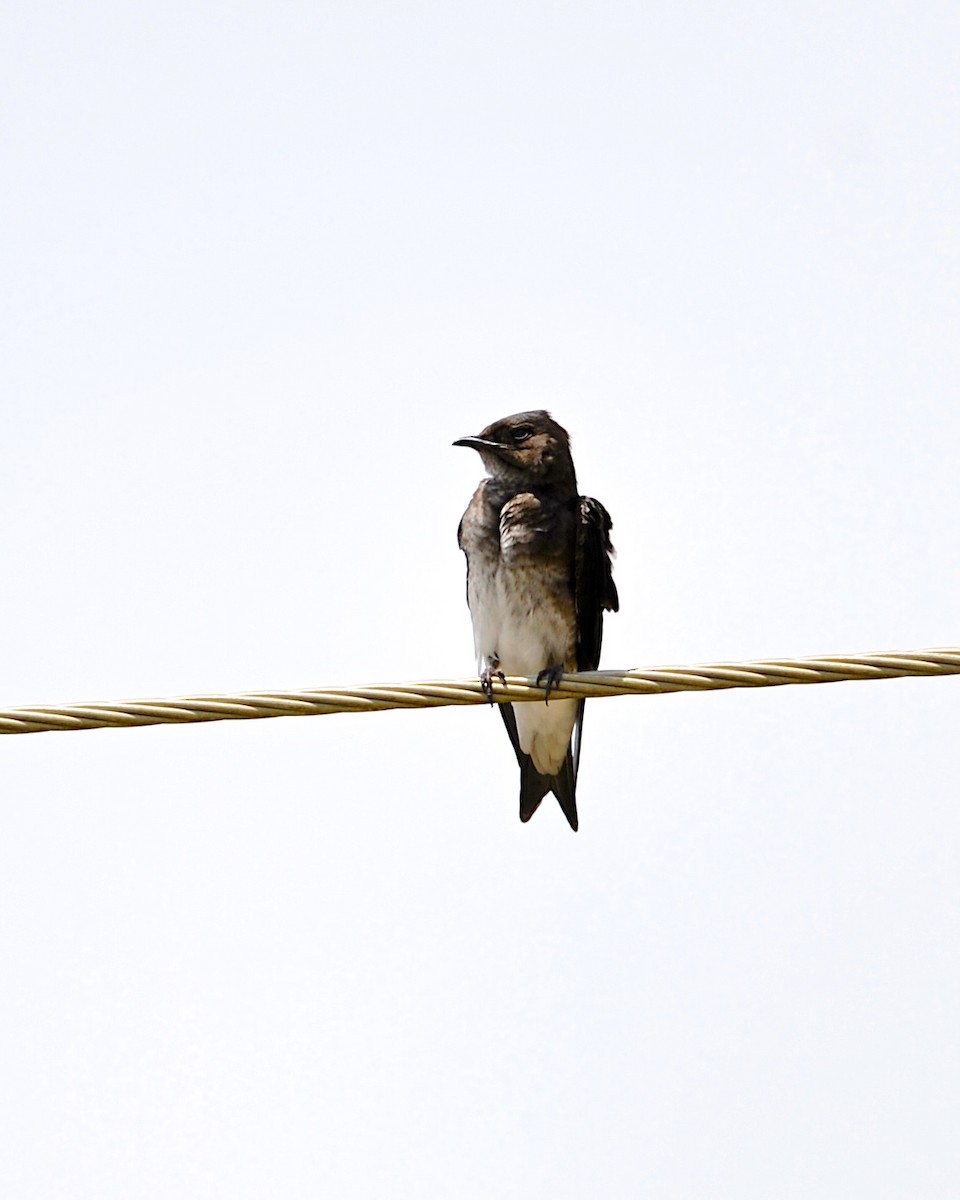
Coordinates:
[465,554]
[594,588]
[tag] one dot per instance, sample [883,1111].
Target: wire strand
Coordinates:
[705,677]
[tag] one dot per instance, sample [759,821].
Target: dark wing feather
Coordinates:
[594,588]
[465,555]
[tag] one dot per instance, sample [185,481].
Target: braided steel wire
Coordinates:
[434,694]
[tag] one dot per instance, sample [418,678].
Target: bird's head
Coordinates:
[528,446]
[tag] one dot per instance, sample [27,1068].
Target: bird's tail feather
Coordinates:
[534,785]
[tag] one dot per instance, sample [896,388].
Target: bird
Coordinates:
[539,579]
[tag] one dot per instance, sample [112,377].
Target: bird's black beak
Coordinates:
[477,443]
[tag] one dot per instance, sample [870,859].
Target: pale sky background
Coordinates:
[262,264]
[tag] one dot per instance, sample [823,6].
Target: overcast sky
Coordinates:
[262,264]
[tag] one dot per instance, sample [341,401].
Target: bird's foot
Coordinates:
[550,678]
[488,675]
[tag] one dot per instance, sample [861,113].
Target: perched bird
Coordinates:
[539,577]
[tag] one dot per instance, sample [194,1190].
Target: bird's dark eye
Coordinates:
[522,433]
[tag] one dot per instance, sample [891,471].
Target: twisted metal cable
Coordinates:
[435,694]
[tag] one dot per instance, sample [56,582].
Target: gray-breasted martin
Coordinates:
[539,578]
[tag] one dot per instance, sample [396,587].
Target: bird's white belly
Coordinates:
[526,635]
[515,625]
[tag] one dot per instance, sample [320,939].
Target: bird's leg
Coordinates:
[550,677]
[489,673]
